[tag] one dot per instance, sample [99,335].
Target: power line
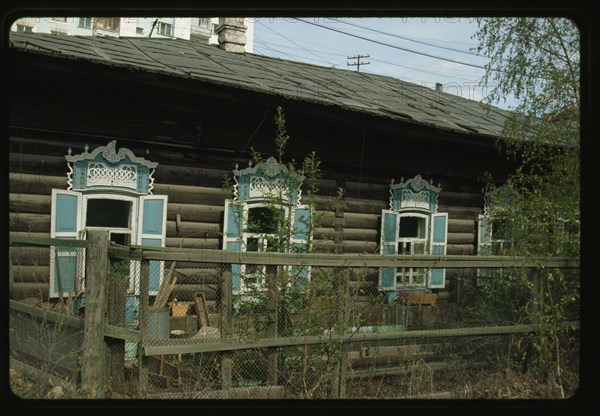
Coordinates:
[405,38]
[291,41]
[396,47]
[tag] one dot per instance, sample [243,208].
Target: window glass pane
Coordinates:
[412,227]
[252,244]
[108,213]
[121,239]
[263,220]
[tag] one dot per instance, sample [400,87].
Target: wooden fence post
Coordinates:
[115,352]
[226,306]
[340,370]
[143,319]
[273,306]
[93,372]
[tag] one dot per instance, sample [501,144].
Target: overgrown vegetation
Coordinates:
[538,61]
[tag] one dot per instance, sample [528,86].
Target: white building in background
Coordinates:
[197,29]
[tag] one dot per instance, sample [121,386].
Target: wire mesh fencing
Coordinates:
[203,324]
[226,330]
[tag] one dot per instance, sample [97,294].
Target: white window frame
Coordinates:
[259,284]
[132,287]
[87,23]
[162,29]
[411,273]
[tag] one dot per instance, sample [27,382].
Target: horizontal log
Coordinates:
[460,198]
[185,194]
[30,290]
[363,189]
[26,183]
[189,175]
[195,213]
[324,219]
[193,242]
[365,221]
[324,233]
[30,256]
[31,274]
[361,234]
[460,225]
[366,206]
[37,164]
[29,222]
[29,203]
[460,249]
[197,229]
[460,212]
[360,246]
[461,238]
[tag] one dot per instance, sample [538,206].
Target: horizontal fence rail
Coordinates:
[340,260]
[184,346]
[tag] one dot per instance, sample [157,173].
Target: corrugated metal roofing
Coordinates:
[376,95]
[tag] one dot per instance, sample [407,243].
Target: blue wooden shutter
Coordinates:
[389,245]
[302,227]
[233,226]
[484,246]
[439,235]
[152,230]
[66,263]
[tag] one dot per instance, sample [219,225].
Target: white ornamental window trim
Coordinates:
[112,156]
[415,199]
[265,188]
[414,185]
[271,169]
[99,174]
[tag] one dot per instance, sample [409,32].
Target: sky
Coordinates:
[424,51]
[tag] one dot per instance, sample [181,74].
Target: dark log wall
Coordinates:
[198,132]
[196,195]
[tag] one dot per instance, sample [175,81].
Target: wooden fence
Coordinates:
[105,333]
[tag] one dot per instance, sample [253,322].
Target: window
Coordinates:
[165,29]
[139,30]
[108,190]
[85,22]
[24,29]
[108,213]
[413,227]
[108,23]
[412,239]
[203,22]
[59,19]
[494,233]
[265,215]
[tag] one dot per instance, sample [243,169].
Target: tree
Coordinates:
[538,60]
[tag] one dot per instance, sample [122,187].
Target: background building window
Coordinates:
[85,23]
[165,29]
[108,23]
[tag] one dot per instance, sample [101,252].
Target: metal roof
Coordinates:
[376,95]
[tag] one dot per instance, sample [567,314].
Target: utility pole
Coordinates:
[358,63]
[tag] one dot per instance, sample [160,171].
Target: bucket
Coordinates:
[159,325]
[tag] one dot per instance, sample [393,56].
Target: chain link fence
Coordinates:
[175,327]
[335,335]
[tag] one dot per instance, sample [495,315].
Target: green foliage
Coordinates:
[538,60]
